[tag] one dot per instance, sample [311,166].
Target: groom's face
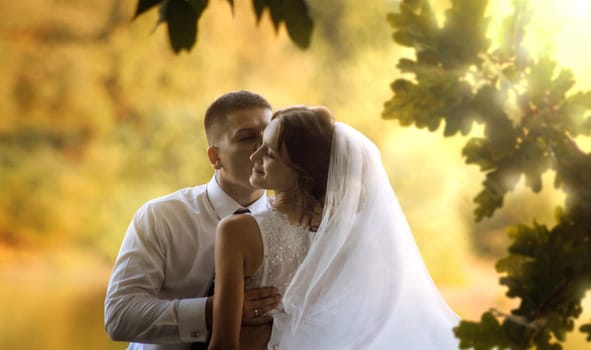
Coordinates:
[241,136]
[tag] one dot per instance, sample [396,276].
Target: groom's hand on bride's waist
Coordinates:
[257,302]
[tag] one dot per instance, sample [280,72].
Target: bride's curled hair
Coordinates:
[306,133]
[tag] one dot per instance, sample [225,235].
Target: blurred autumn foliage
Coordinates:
[79,125]
[98,115]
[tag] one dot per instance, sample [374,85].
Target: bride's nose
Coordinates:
[256,155]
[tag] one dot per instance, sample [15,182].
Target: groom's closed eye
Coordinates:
[247,137]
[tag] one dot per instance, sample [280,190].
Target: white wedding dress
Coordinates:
[359,282]
[284,248]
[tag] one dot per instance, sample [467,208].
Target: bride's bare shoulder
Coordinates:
[238,235]
[238,225]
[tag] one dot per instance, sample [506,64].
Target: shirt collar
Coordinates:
[225,205]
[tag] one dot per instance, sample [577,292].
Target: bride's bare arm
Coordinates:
[238,252]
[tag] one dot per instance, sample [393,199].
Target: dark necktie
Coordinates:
[203,346]
[242,211]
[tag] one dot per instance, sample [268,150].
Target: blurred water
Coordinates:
[53,311]
[48,308]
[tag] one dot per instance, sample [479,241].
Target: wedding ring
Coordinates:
[256,312]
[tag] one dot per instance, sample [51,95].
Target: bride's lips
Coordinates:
[256,171]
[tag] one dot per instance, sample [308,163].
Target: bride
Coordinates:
[335,243]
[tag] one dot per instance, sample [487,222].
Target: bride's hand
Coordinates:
[257,302]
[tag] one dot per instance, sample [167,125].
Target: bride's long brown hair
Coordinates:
[307,134]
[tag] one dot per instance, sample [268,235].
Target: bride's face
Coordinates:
[269,169]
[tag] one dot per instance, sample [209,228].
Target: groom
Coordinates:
[160,287]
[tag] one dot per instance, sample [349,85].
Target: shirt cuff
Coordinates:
[192,325]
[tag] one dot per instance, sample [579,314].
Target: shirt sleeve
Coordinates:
[133,310]
[192,324]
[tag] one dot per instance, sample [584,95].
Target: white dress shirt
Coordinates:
[158,287]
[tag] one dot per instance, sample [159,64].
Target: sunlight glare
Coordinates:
[564,25]
[559,28]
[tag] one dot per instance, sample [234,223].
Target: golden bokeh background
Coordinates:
[97,115]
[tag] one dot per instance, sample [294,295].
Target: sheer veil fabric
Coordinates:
[363,284]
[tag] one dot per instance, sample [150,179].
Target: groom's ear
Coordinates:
[213,156]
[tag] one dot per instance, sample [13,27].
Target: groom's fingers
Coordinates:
[258,293]
[257,321]
[259,307]
[261,297]
[257,302]
[265,304]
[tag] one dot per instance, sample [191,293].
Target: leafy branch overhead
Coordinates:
[457,81]
[182,17]
[530,115]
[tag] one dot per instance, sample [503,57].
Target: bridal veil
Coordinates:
[363,284]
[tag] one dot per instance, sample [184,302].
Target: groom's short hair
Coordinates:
[217,113]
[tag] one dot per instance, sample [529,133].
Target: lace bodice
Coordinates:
[284,245]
